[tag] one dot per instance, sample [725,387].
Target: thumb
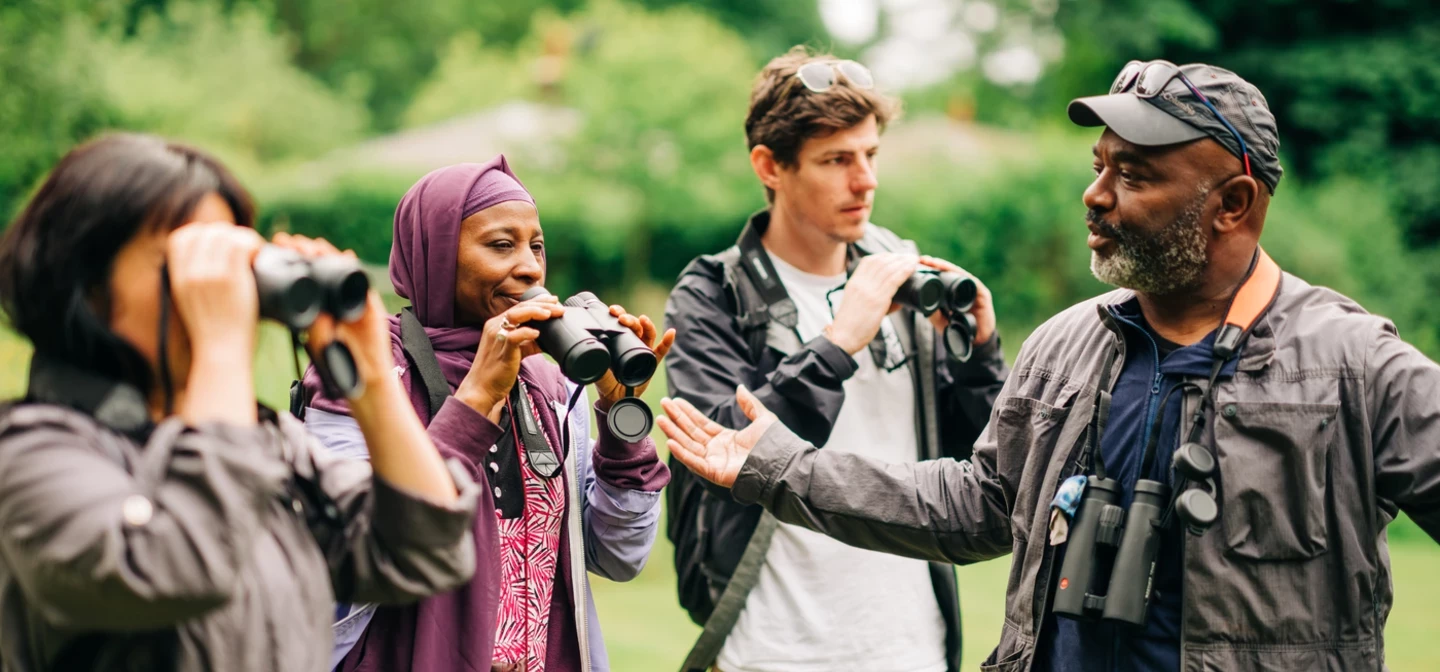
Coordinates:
[749,403]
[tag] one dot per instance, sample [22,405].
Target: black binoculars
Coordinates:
[927,291]
[1106,541]
[294,290]
[586,342]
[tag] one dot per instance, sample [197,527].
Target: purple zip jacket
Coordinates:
[617,485]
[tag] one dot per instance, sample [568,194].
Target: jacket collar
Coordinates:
[1257,349]
[115,404]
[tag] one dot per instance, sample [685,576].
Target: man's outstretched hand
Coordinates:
[707,448]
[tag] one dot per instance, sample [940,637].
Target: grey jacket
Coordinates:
[201,548]
[1331,425]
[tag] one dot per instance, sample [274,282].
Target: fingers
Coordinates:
[690,453]
[544,298]
[683,415]
[530,311]
[749,403]
[320,334]
[941,265]
[666,341]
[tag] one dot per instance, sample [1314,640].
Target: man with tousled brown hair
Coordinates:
[801,311]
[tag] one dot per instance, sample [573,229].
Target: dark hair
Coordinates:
[56,257]
[784,114]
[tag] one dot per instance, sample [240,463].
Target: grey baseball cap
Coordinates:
[1175,115]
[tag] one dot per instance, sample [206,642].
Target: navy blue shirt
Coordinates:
[1148,375]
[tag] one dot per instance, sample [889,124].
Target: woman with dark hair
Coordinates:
[152,515]
[468,245]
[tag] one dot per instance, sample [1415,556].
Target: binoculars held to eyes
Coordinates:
[926,291]
[1106,541]
[294,290]
[588,341]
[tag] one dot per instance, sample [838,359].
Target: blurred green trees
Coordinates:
[645,165]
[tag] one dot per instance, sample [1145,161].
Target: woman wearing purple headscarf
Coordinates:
[468,244]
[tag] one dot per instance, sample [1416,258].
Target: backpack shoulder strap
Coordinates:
[421,354]
[752,314]
[727,610]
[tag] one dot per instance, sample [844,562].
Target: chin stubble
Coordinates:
[1169,261]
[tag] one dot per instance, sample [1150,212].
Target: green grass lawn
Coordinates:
[646,630]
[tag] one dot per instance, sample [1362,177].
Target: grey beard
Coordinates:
[1165,263]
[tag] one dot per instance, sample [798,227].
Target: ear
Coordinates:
[1239,197]
[763,162]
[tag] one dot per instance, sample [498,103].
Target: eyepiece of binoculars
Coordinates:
[922,291]
[294,290]
[587,341]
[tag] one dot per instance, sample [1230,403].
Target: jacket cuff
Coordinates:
[460,430]
[407,520]
[776,448]
[630,466]
[834,357]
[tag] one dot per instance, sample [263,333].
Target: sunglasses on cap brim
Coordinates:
[1148,79]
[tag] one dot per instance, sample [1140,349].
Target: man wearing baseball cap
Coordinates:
[1194,471]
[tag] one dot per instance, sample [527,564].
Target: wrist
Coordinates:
[378,393]
[841,340]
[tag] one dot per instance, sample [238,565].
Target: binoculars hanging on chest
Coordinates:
[1109,567]
[927,291]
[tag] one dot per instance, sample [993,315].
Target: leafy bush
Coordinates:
[225,81]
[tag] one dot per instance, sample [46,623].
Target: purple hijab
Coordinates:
[423,262]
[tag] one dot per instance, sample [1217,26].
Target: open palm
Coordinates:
[707,448]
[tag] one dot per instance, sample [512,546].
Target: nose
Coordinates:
[865,178]
[531,268]
[1099,195]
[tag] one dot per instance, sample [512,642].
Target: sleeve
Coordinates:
[711,358]
[966,394]
[94,547]
[395,547]
[622,502]
[1403,389]
[939,510]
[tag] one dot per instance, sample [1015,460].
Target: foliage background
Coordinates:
[625,120]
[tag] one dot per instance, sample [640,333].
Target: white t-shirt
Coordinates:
[822,606]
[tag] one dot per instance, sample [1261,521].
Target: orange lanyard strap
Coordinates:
[1255,296]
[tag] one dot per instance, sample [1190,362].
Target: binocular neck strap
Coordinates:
[163,351]
[1098,415]
[761,271]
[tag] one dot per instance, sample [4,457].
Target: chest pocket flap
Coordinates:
[1274,470]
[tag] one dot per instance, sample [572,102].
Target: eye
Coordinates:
[1098,169]
[503,245]
[537,247]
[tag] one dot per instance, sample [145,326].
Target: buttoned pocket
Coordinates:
[1274,463]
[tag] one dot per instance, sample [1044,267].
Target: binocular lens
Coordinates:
[1130,580]
[923,291]
[635,366]
[960,292]
[344,284]
[585,362]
